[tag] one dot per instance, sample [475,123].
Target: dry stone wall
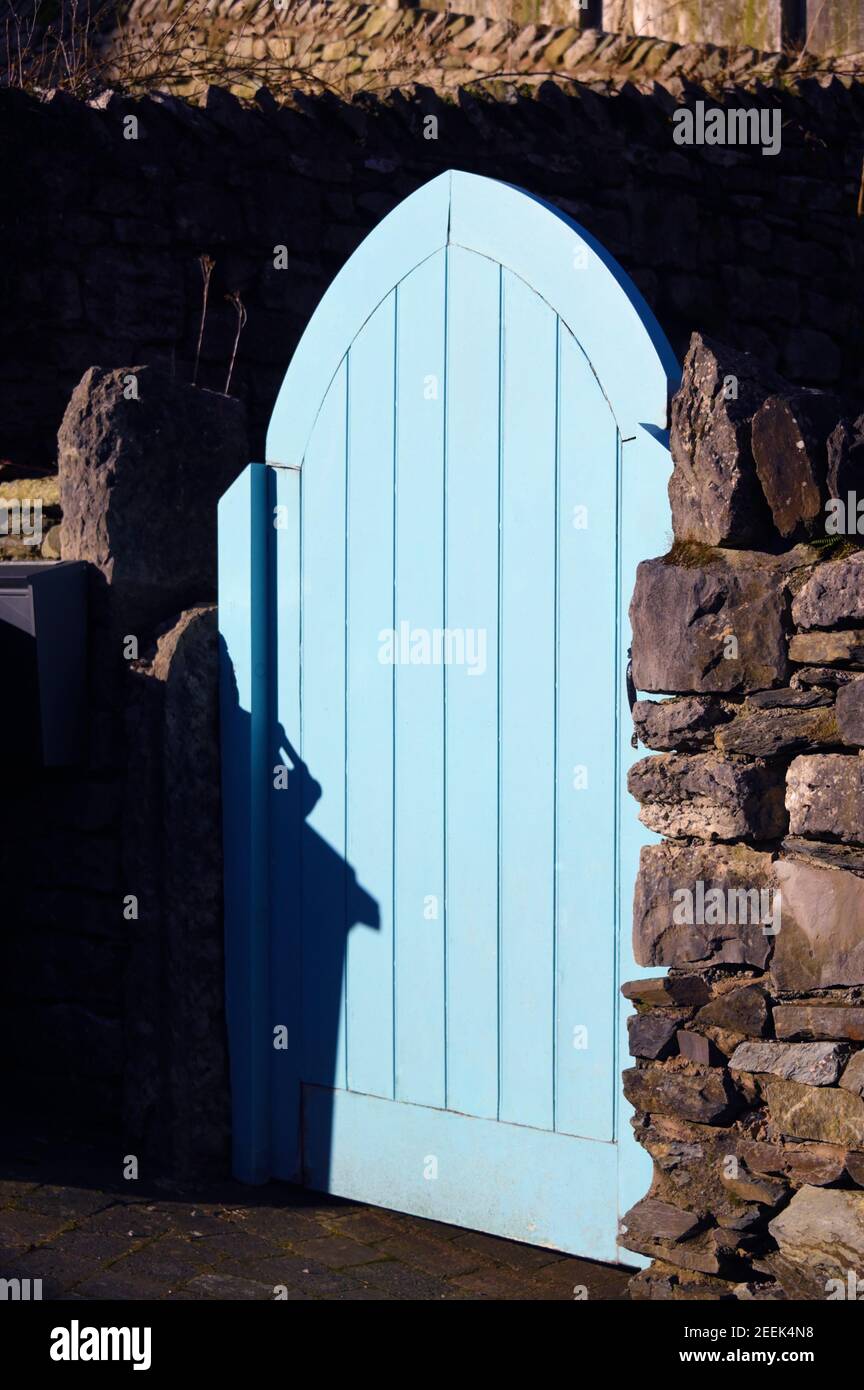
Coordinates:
[182,45]
[748,1074]
[101,235]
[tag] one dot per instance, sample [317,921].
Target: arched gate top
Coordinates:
[564,264]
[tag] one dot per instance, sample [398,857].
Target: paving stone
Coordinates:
[600,1280]
[397,1280]
[168,1260]
[366,1226]
[66,1204]
[430,1257]
[236,1245]
[507,1252]
[113,1285]
[498,1283]
[338,1252]
[26,1228]
[223,1286]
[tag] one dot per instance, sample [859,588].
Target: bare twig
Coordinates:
[206,263]
[234,298]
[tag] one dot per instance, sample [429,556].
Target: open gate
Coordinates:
[429,856]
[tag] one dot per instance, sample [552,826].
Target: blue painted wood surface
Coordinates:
[430,633]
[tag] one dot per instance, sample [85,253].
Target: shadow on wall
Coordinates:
[314,902]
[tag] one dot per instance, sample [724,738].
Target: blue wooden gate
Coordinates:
[429,856]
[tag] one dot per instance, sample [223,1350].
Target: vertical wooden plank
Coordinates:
[323,740]
[286,817]
[473,372]
[419,712]
[586,731]
[243,705]
[527,705]
[369,762]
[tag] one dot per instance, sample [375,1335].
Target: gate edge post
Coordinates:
[243,704]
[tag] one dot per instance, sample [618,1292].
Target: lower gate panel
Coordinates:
[526,1184]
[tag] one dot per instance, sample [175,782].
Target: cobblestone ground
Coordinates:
[88,1234]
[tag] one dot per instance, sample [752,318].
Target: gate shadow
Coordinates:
[313,902]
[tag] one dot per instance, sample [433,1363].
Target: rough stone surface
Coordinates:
[820,1237]
[828,1115]
[821,940]
[853,1076]
[817,1164]
[846,458]
[834,594]
[793,698]
[824,853]
[855,1167]
[669,870]
[828,677]
[708,1099]
[819,1021]
[825,796]
[789,439]
[818,647]
[850,712]
[710,625]
[741,1010]
[714,491]
[651,1222]
[686,724]
[750,1188]
[139,482]
[651,1035]
[816,1063]
[708,796]
[698,1048]
[765,733]
[177,1099]
[667,989]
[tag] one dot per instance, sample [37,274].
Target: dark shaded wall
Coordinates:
[101,235]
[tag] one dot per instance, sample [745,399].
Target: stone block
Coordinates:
[679,887]
[764,733]
[708,797]
[819,648]
[712,622]
[841,1021]
[821,937]
[846,462]
[686,724]
[825,796]
[834,594]
[708,1099]
[714,491]
[850,712]
[742,1010]
[820,1238]
[813,1063]
[817,1164]
[828,1115]
[140,477]
[789,438]
[853,1076]
[667,989]
[651,1035]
